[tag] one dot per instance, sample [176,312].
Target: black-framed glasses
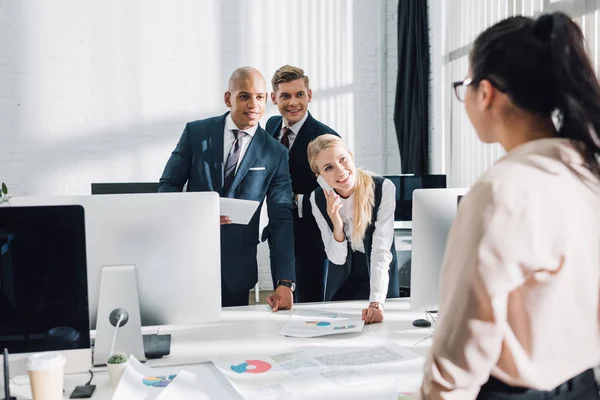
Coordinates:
[460,88]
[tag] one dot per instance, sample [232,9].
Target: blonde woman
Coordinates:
[356,220]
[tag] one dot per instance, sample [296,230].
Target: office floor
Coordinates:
[263,296]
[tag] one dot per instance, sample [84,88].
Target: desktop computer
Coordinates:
[162,247]
[406,184]
[43,284]
[434,211]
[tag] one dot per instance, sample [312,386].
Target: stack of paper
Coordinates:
[142,383]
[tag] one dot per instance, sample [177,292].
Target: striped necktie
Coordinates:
[285,138]
[232,159]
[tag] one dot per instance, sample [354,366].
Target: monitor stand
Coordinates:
[118,297]
[7,395]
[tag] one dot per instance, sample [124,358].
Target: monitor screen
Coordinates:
[406,185]
[43,279]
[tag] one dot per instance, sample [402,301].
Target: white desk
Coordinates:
[254,329]
[403,225]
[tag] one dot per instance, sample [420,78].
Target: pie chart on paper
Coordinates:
[158,381]
[251,367]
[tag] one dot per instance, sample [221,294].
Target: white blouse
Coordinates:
[520,284]
[383,236]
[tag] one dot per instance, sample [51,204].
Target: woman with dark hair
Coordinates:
[520,286]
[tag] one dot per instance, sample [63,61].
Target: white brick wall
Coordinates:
[94,91]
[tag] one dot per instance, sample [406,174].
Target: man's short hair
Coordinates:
[288,73]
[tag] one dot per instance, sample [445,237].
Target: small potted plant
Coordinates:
[3,193]
[116,365]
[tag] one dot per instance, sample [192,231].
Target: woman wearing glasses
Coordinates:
[519,308]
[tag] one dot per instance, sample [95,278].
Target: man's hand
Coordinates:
[225,220]
[281,299]
[372,315]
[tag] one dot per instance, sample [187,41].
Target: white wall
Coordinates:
[99,91]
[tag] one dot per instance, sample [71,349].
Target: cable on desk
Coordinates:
[92,377]
[424,339]
[434,319]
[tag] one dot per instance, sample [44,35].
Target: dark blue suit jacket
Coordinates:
[198,160]
[307,235]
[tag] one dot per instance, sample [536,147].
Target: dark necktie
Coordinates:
[285,138]
[232,159]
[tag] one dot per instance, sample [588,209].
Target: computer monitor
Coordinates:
[124,187]
[434,211]
[172,239]
[43,284]
[406,184]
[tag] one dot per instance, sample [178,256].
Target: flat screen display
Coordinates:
[43,279]
[406,185]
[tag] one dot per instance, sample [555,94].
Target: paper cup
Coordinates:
[46,375]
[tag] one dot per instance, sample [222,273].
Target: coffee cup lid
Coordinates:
[46,360]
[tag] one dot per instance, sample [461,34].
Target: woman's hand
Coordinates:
[334,203]
[372,314]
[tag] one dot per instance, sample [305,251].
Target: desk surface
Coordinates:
[403,225]
[193,345]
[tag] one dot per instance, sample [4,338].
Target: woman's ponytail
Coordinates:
[578,90]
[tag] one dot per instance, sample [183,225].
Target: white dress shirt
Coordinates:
[383,236]
[229,138]
[295,129]
[520,282]
[292,138]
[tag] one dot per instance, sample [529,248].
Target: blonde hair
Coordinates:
[288,73]
[364,188]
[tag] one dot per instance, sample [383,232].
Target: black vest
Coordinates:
[337,276]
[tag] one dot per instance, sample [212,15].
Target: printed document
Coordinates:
[238,210]
[320,372]
[143,383]
[313,323]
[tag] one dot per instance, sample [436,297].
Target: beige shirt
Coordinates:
[520,284]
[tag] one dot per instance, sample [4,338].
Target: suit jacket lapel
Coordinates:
[215,142]
[303,136]
[278,129]
[254,150]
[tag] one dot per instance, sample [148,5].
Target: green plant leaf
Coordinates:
[117,358]
[4,188]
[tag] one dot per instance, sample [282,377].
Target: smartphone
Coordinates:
[83,392]
[324,184]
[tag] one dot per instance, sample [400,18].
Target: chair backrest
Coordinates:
[124,187]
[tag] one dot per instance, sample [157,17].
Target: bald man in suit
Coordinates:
[232,155]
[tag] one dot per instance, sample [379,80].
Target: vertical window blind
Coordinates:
[465,157]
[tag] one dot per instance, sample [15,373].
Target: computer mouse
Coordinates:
[421,323]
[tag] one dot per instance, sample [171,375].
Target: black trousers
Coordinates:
[358,284]
[581,387]
[310,279]
[231,298]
